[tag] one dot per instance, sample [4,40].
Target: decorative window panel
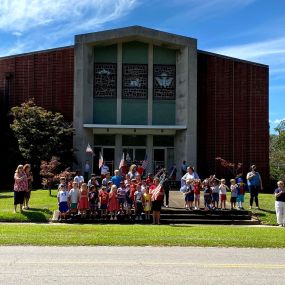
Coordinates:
[105,80]
[164,81]
[135,81]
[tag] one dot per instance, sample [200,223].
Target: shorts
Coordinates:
[223,197]
[73,206]
[139,208]
[19,197]
[103,206]
[240,198]
[121,201]
[189,197]
[215,197]
[233,199]
[63,207]
[156,206]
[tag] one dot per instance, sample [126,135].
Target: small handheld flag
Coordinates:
[101,160]
[89,149]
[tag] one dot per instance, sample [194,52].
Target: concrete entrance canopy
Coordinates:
[184,124]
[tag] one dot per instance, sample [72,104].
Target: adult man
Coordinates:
[104,170]
[254,183]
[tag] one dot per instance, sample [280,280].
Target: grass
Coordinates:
[41,207]
[141,235]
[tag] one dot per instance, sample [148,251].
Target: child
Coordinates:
[223,193]
[197,188]
[234,193]
[103,198]
[93,200]
[207,195]
[62,197]
[241,192]
[113,205]
[189,194]
[147,203]
[83,200]
[129,201]
[149,179]
[122,196]
[215,194]
[138,195]
[73,196]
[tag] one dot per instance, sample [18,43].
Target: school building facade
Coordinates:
[140,91]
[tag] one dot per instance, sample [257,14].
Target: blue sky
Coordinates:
[248,29]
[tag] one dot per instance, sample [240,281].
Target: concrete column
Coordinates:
[118,151]
[83,99]
[119,83]
[149,151]
[150,84]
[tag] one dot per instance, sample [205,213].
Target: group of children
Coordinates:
[107,200]
[215,193]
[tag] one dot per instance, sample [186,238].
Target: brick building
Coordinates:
[141,91]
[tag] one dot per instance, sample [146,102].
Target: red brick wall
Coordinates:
[232,114]
[46,76]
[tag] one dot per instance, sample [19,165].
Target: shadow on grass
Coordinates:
[267,211]
[5,196]
[37,214]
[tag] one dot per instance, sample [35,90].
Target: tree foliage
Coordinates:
[277,153]
[42,134]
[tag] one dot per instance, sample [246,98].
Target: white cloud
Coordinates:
[23,15]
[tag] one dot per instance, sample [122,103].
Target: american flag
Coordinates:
[122,162]
[155,192]
[145,162]
[89,149]
[101,160]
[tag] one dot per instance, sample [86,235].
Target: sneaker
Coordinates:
[115,219]
[250,207]
[195,208]
[111,219]
[257,208]
[167,206]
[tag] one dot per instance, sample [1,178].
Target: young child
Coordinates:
[103,198]
[93,200]
[138,195]
[207,195]
[62,197]
[241,192]
[73,196]
[129,201]
[147,203]
[215,193]
[197,188]
[223,188]
[83,204]
[113,206]
[189,194]
[234,192]
[122,196]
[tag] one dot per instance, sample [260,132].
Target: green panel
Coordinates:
[135,52]
[164,55]
[163,112]
[134,112]
[105,54]
[105,111]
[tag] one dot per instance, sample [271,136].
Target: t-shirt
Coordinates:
[138,196]
[255,180]
[104,197]
[105,181]
[74,195]
[215,189]
[104,169]
[116,180]
[223,189]
[234,191]
[62,195]
[121,193]
[187,176]
[281,198]
[241,189]
[78,179]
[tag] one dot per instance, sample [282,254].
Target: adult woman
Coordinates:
[280,203]
[191,174]
[27,170]
[20,187]
[254,184]
[157,194]
[132,171]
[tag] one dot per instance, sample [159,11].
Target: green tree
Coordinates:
[277,153]
[42,134]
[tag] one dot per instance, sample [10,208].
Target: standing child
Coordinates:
[241,192]
[93,200]
[103,198]
[129,201]
[62,197]
[223,188]
[122,196]
[215,193]
[207,195]
[83,200]
[189,194]
[197,188]
[138,195]
[147,203]
[113,206]
[234,193]
[73,196]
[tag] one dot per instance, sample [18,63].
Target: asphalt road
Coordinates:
[140,265]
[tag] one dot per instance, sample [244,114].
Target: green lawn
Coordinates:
[41,207]
[142,235]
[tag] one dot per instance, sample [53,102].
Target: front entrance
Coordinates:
[163,158]
[108,154]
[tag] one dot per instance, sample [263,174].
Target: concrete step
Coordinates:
[213,216]
[208,221]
